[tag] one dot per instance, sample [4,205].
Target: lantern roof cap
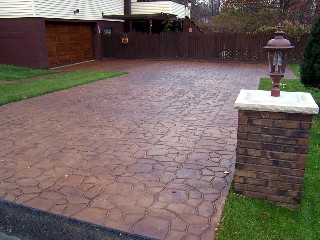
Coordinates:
[279,41]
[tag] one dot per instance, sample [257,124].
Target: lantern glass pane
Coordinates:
[270,60]
[277,62]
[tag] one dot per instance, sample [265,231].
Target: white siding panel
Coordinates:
[178,9]
[89,9]
[15,8]
[158,7]
[150,7]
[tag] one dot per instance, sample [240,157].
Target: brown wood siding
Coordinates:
[68,42]
[22,42]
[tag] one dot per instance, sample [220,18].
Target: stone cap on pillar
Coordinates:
[288,102]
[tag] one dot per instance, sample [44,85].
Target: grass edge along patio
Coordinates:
[245,218]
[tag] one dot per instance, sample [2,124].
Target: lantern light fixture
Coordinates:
[277,49]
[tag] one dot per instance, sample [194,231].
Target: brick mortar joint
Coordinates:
[287,160]
[272,113]
[260,172]
[261,189]
[272,142]
[275,123]
[270,180]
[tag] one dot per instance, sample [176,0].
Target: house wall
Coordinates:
[23,42]
[16,8]
[22,26]
[61,9]
[158,7]
[178,9]
[88,10]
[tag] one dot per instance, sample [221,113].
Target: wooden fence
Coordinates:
[218,46]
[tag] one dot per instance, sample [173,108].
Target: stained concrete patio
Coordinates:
[151,152]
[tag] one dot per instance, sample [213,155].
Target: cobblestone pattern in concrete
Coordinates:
[149,152]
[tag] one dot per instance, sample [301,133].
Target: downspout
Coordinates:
[127,12]
[33,8]
[150,25]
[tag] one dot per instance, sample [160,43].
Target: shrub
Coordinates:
[310,67]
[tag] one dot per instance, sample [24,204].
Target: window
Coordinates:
[107,30]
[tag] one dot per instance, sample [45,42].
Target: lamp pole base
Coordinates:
[275,92]
[276,78]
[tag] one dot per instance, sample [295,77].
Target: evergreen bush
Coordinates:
[310,67]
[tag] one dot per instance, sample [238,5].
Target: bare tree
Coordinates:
[214,6]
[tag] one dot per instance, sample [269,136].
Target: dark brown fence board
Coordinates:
[218,46]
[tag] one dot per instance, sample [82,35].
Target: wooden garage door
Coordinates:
[68,42]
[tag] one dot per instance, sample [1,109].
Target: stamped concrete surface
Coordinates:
[19,222]
[151,152]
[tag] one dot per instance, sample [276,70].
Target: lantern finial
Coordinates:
[279,34]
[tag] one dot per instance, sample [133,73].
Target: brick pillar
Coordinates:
[271,155]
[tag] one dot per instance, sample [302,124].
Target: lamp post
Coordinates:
[277,57]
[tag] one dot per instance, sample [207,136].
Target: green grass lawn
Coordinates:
[9,73]
[244,218]
[295,68]
[12,92]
